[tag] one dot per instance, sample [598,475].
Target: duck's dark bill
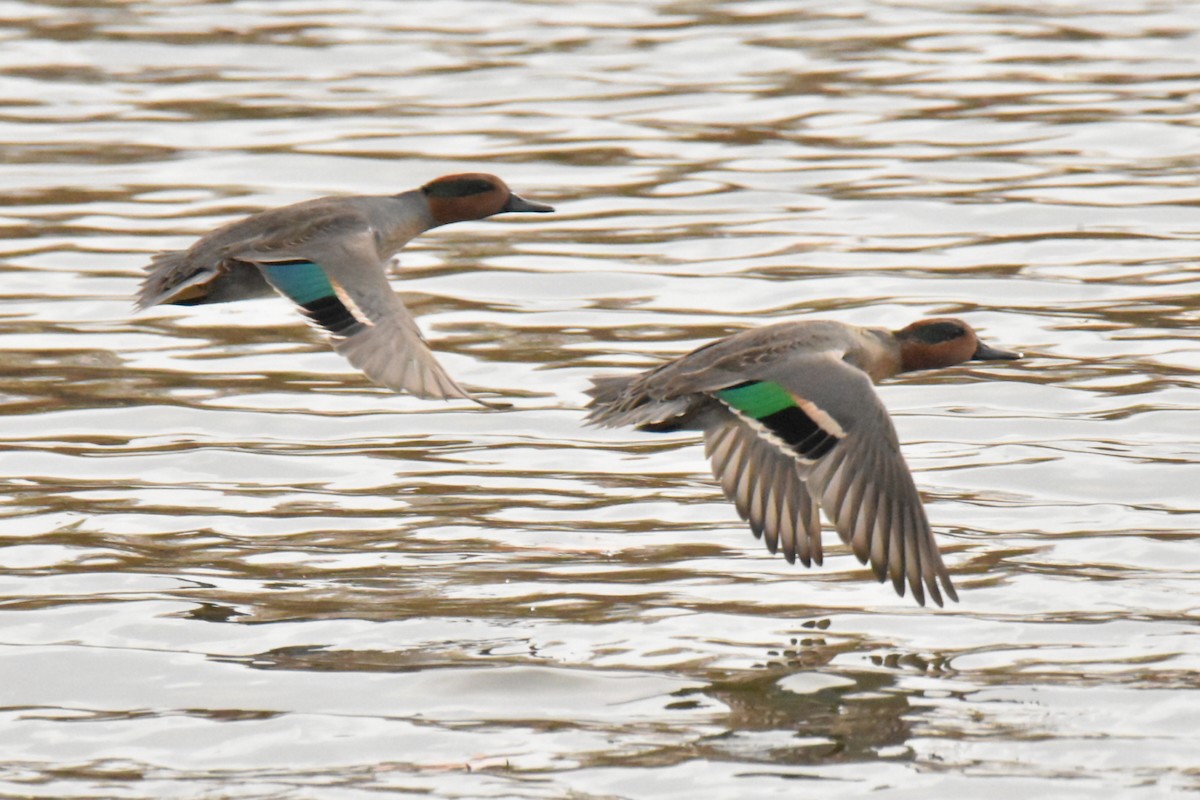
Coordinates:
[518,203]
[985,352]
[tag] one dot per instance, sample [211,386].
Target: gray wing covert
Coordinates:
[864,484]
[342,288]
[829,441]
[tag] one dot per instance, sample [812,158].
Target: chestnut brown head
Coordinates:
[943,342]
[473,195]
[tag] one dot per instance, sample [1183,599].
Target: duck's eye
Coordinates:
[938,332]
[459,187]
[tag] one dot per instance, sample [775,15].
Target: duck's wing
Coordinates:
[766,488]
[340,286]
[808,430]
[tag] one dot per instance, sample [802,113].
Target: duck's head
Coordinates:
[473,195]
[943,342]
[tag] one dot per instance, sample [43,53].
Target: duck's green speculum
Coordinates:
[302,281]
[757,399]
[776,409]
[308,286]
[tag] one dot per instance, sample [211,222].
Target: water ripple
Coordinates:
[229,565]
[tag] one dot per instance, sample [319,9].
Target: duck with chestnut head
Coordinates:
[792,424]
[329,257]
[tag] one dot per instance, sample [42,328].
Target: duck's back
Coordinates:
[678,393]
[728,361]
[220,267]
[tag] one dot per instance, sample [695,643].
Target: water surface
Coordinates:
[232,567]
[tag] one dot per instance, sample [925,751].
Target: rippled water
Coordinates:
[232,567]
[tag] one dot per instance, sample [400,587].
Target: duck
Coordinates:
[329,257]
[792,424]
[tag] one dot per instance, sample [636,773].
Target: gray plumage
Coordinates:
[329,256]
[792,423]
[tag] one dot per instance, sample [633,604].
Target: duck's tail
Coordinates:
[617,400]
[606,389]
[171,279]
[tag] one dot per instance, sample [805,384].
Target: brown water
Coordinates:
[230,567]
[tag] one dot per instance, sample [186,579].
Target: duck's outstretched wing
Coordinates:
[341,287]
[766,488]
[811,430]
